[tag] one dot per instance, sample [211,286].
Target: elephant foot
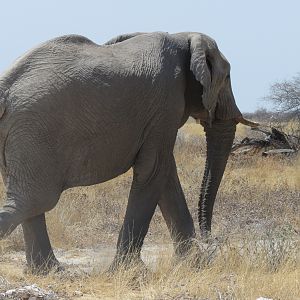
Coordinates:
[197,254]
[204,253]
[44,267]
[184,248]
[39,253]
[127,263]
[131,272]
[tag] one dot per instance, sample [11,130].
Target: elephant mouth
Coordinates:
[201,116]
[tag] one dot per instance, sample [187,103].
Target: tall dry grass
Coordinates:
[256,224]
[224,270]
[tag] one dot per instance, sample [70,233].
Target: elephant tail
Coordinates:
[3,96]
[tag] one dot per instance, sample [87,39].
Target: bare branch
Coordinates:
[285,97]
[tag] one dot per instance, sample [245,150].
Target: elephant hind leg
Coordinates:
[30,211]
[39,254]
[27,201]
[34,184]
[9,220]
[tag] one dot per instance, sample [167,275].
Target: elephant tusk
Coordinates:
[238,120]
[246,122]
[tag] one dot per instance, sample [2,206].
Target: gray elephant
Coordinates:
[75,113]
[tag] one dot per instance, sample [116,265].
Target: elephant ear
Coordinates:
[205,68]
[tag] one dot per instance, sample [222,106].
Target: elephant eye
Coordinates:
[227,78]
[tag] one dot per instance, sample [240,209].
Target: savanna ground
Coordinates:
[254,253]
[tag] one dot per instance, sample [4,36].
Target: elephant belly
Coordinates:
[99,159]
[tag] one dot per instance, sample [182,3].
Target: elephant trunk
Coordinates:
[219,139]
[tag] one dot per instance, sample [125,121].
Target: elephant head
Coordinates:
[215,106]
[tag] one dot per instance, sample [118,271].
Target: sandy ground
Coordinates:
[92,260]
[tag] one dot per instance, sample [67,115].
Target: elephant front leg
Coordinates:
[175,211]
[150,171]
[39,254]
[140,209]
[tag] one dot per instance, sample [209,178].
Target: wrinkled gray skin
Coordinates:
[76,113]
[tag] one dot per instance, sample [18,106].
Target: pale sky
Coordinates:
[260,38]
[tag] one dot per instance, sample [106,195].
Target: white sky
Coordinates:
[261,39]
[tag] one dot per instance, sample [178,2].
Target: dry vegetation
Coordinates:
[256,224]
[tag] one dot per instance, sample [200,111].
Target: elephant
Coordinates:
[76,113]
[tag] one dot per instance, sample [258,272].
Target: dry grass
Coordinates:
[256,222]
[224,271]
